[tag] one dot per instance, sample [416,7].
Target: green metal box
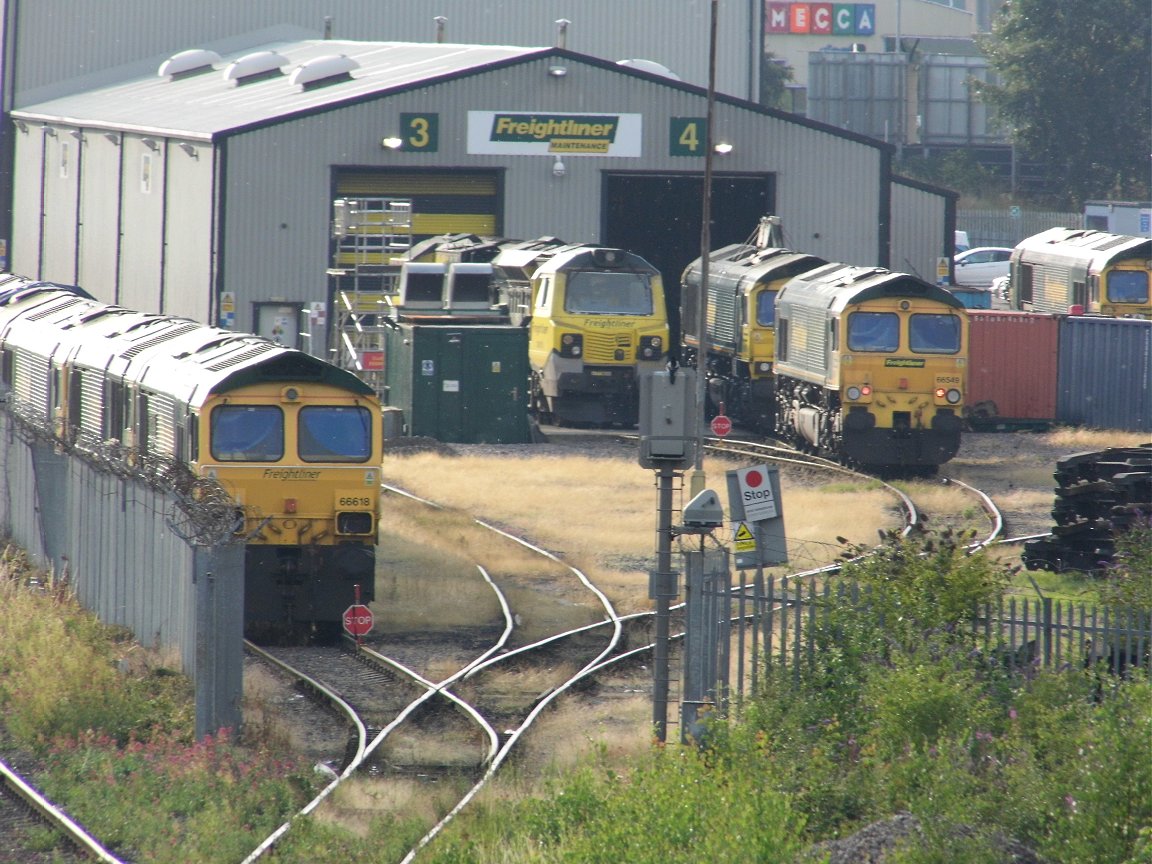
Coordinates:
[464,384]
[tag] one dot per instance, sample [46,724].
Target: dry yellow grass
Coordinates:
[600,514]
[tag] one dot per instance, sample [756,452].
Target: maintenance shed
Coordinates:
[214,187]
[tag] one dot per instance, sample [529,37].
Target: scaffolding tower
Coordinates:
[372,235]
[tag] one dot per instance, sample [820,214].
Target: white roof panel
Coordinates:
[205,106]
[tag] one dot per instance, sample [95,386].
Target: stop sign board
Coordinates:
[721,425]
[357,619]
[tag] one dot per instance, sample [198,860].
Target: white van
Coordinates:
[962,244]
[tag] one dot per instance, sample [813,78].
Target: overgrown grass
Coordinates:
[113,726]
[893,718]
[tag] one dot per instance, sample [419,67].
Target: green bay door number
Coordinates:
[421,132]
[687,136]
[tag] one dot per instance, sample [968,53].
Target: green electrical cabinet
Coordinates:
[463,384]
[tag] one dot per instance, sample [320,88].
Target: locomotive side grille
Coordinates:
[92,405]
[31,380]
[602,347]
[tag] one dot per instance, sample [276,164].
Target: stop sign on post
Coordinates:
[721,425]
[357,619]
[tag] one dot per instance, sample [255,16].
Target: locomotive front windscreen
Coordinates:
[334,434]
[934,334]
[247,433]
[1128,286]
[609,293]
[873,331]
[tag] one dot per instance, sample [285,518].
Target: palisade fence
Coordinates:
[1009,225]
[775,624]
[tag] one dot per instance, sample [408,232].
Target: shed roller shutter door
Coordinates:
[449,203]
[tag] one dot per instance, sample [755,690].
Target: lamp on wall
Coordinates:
[150,143]
[391,143]
[557,71]
[723,148]
[49,131]
[189,149]
[113,137]
[559,169]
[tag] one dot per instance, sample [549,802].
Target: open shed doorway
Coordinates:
[658,216]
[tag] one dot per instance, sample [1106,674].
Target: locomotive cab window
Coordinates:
[247,433]
[334,434]
[1128,286]
[615,293]
[873,331]
[934,334]
[766,308]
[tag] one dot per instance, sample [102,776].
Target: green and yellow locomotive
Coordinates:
[871,367]
[1079,271]
[740,346]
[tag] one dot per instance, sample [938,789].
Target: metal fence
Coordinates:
[1008,226]
[773,624]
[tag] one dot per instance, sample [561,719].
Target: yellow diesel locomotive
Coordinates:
[1080,271]
[871,367]
[598,322]
[740,345]
[291,444]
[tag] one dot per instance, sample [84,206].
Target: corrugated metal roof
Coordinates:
[205,106]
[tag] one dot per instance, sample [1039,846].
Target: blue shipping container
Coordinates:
[1105,373]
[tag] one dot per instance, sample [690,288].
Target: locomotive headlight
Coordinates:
[866,390]
[650,347]
[571,345]
[953,396]
[853,393]
[764,366]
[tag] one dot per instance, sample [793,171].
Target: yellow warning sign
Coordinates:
[743,537]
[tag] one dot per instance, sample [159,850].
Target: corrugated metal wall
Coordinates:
[1105,373]
[113,539]
[99,230]
[189,243]
[919,235]
[142,214]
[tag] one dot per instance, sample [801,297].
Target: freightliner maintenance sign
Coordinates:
[537,134]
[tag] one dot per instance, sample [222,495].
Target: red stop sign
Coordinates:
[357,619]
[721,425]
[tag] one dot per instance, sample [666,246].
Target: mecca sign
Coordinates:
[820,19]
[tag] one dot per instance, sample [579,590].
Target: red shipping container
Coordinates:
[1012,364]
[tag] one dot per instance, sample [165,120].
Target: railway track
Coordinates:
[484,690]
[400,703]
[23,811]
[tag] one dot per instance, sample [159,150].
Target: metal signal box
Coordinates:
[668,419]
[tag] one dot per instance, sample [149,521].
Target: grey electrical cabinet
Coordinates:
[668,419]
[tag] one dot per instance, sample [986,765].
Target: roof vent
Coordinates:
[258,66]
[188,63]
[322,71]
[649,66]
